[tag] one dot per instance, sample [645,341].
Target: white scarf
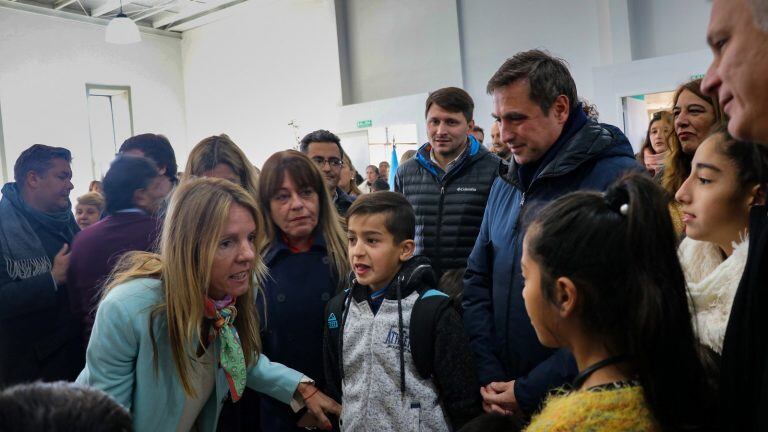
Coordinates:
[712,283]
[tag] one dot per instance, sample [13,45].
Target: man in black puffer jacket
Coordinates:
[448,181]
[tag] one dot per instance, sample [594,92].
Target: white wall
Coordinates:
[397,48]
[46,62]
[494,30]
[250,74]
[382,113]
[642,77]
[274,61]
[387,112]
[664,27]
[637,122]
[615,43]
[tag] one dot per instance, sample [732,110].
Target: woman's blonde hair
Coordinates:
[677,164]
[220,149]
[350,188]
[198,210]
[92,199]
[304,173]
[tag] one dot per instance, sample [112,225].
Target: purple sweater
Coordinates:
[96,250]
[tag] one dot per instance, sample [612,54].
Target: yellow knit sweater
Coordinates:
[609,409]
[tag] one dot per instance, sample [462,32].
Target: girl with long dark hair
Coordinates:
[728,177]
[602,279]
[655,147]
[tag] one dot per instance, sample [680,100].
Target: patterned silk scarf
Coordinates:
[223,313]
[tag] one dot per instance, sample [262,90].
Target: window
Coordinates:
[111,122]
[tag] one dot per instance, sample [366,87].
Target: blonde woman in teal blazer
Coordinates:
[175,375]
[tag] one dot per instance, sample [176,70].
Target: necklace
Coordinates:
[587,372]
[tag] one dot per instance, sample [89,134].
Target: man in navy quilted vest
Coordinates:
[448,181]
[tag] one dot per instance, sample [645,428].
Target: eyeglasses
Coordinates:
[332,162]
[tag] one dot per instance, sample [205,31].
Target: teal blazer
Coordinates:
[120,362]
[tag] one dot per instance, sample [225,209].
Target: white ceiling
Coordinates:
[171,15]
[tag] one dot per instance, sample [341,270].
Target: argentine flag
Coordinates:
[392,168]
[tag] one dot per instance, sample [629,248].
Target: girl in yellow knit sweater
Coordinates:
[602,279]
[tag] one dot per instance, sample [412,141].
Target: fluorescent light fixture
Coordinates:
[122,30]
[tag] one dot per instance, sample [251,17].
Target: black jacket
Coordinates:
[292,323]
[343,202]
[449,206]
[744,365]
[40,337]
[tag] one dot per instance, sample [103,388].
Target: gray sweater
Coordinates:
[376,376]
[372,399]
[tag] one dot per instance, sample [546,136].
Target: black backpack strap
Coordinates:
[334,311]
[423,329]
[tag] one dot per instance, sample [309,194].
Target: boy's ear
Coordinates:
[407,247]
[565,296]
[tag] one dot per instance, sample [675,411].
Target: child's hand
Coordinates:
[499,397]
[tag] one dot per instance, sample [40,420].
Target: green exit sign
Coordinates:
[364,123]
[697,76]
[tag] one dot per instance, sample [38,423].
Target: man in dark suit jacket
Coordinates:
[738,36]
[131,189]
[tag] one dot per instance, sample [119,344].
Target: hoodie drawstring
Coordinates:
[400,334]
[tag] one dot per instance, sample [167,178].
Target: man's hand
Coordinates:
[499,397]
[318,405]
[61,265]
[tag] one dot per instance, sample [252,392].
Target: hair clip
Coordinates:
[624,209]
[613,199]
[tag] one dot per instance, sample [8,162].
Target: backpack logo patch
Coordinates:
[393,339]
[332,322]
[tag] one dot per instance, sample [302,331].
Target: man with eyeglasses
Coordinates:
[324,148]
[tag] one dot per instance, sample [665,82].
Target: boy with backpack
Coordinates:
[396,355]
